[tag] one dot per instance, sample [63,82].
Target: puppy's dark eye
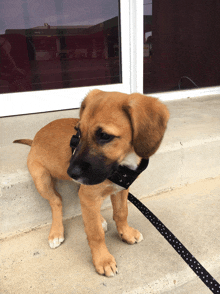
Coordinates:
[103,137]
[106,137]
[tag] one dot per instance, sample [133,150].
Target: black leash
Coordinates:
[124,177]
[192,262]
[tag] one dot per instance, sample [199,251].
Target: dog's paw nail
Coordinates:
[140,238]
[112,274]
[56,242]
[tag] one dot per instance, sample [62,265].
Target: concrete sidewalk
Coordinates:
[28,265]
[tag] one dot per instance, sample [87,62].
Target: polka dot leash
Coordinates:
[201,272]
[124,177]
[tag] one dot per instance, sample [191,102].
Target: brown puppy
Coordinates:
[115,129]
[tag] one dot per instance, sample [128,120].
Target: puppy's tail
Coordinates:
[24,141]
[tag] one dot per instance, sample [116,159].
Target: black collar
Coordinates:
[123,176]
[74,142]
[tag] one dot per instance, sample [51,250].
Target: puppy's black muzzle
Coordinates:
[88,169]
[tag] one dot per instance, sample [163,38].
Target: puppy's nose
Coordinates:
[75,172]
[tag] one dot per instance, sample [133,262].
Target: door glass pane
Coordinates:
[59,44]
[183,51]
[148,50]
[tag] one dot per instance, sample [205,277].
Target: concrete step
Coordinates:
[191,212]
[189,153]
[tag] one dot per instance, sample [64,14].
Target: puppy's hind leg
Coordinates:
[45,186]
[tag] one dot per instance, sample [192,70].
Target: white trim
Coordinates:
[52,100]
[136,45]
[175,95]
[125,46]
[14,104]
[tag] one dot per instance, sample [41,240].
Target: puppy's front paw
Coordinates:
[56,238]
[106,265]
[130,235]
[56,242]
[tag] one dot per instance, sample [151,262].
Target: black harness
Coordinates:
[74,142]
[124,177]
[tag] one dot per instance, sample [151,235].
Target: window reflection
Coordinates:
[148,48]
[181,45]
[59,44]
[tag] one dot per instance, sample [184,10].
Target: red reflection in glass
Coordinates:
[61,56]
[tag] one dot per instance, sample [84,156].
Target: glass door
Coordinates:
[52,53]
[181,46]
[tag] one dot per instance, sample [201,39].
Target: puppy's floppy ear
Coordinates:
[148,118]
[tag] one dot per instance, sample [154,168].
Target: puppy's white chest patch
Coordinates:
[131,161]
